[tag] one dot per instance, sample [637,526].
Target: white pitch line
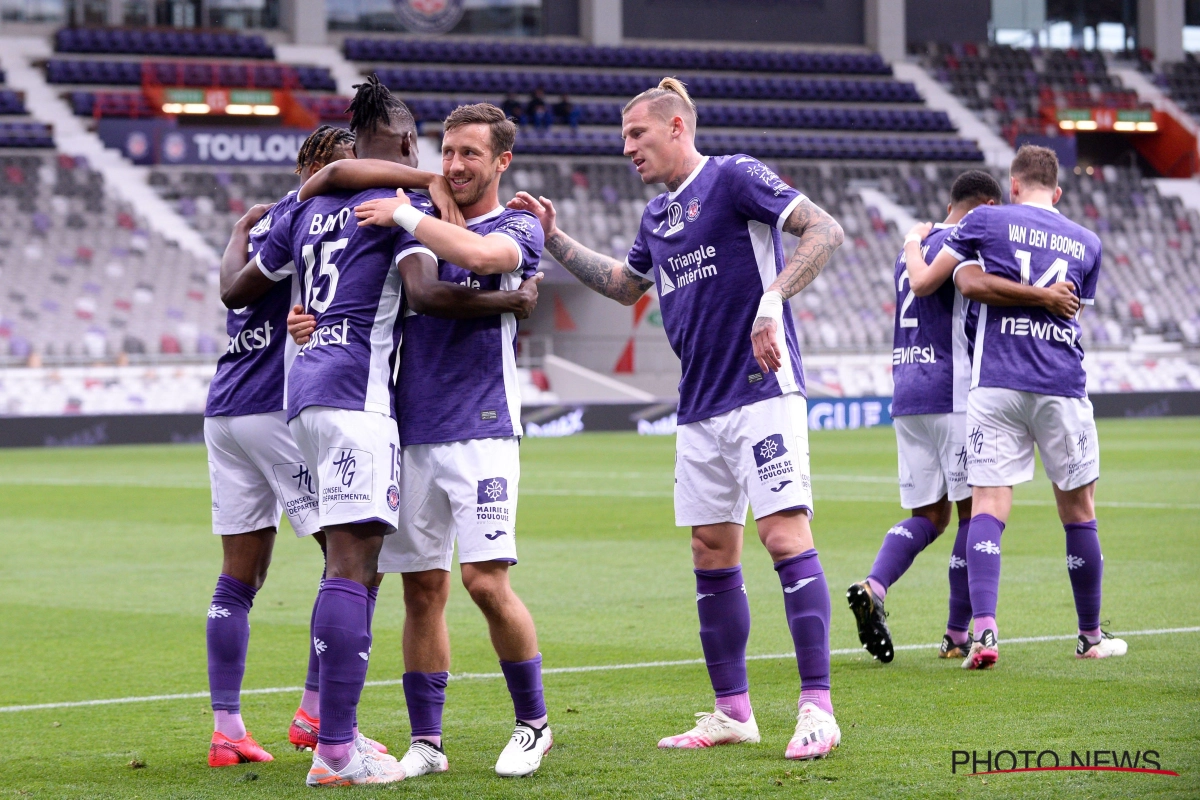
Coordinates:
[687,662]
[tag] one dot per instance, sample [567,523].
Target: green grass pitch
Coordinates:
[108,567]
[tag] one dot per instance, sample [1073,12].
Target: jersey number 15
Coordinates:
[328,270]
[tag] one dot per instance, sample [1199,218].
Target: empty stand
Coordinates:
[170,42]
[440,51]
[85,278]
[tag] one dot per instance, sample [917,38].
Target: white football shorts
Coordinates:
[756,455]
[933,458]
[463,492]
[256,471]
[355,456]
[1004,424]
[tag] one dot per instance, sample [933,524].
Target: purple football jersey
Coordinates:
[930,365]
[1029,349]
[350,284]
[712,247]
[252,373]
[458,377]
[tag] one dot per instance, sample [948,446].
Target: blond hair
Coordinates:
[669,99]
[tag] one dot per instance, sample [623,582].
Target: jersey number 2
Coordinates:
[328,269]
[906,322]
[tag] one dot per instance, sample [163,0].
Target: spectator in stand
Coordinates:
[537,113]
[512,108]
[566,113]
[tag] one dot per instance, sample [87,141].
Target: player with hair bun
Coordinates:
[711,246]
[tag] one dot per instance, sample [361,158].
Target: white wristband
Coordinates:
[912,238]
[407,217]
[771,305]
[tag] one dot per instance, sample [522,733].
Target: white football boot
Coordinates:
[714,728]
[817,734]
[1108,646]
[523,753]
[423,758]
[361,770]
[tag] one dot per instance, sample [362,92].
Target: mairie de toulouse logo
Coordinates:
[769,449]
[429,16]
[492,490]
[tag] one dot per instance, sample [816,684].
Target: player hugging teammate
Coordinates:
[349,431]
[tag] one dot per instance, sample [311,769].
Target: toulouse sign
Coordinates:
[163,142]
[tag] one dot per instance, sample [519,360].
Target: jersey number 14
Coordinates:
[1056,273]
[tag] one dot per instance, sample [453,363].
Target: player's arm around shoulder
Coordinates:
[243,282]
[978,286]
[352,174]
[483,255]
[608,276]
[819,235]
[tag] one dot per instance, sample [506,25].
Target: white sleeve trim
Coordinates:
[1088,301]
[516,244]
[787,212]
[637,271]
[963,264]
[408,251]
[274,276]
[948,249]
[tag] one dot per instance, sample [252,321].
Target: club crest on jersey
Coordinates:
[489,492]
[693,209]
[769,458]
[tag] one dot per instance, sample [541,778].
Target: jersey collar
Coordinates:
[690,178]
[1042,206]
[495,212]
[941,226]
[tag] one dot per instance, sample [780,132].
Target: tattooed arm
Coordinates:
[608,276]
[819,235]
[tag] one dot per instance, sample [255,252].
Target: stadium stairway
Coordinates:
[345,73]
[996,151]
[72,137]
[1149,93]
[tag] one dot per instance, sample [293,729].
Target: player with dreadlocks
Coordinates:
[340,407]
[250,451]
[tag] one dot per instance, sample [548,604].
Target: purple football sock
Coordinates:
[983,566]
[425,696]
[372,596]
[1085,566]
[312,679]
[724,613]
[806,601]
[735,706]
[524,679]
[900,546]
[344,646]
[228,635]
[960,591]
